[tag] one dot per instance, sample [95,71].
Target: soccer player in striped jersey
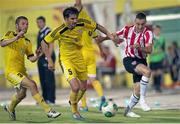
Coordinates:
[16,46]
[69,35]
[139,40]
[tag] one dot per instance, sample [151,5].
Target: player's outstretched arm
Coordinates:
[46,51]
[99,39]
[105,31]
[9,41]
[34,58]
[78,4]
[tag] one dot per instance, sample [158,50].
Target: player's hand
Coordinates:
[39,52]
[116,39]
[20,34]
[51,65]
[136,46]
[103,55]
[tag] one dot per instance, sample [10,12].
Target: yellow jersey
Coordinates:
[70,42]
[87,36]
[15,53]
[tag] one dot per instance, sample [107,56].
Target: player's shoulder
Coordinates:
[83,11]
[61,29]
[128,26]
[10,33]
[83,21]
[147,30]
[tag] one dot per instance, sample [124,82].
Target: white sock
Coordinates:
[133,101]
[143,88]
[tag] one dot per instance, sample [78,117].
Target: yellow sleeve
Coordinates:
[94,34]
[84,17]
[87,24]
[29,51]
[8,35]
[84,14]
[91,26]
[52,36]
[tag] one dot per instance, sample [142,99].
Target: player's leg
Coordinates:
[82,89]
[82,81]
[83,106]
[31,85]
[95,83]
[50,86]
[42,77]
[74,83]
[130,65]
[134,99]
[99,90]
[15,100]
[143,70]
[68,69]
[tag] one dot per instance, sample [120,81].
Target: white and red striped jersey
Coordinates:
[144,38]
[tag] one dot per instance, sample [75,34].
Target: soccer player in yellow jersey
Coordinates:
[16,46]
[69,36]
[90,60]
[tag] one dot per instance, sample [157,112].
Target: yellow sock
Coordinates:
[98,87]
[41,102]
[73,100]
[14,102]
[80,94]
[83,100]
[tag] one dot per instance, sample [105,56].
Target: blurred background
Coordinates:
[113,14]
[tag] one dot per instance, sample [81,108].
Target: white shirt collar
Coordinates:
[43,29]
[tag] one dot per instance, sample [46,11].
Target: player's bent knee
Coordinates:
[75,89]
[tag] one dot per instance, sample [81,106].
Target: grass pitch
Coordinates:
[34,114]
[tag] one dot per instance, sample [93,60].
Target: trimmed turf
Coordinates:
[34,114]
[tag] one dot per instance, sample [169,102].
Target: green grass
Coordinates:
[34,114]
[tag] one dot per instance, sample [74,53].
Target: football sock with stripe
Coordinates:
[143,87]
[133,101]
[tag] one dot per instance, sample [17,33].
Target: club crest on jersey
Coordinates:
[134,63]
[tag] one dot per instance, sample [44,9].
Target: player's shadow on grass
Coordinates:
[31,121]
[98,120]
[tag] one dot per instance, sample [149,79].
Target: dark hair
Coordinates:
[19,18]
[141,15]
[41,18]
[174,43]
[70,11]
[157,26]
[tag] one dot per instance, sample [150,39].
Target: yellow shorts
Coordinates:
[90,62]
[15,78]
[74,68]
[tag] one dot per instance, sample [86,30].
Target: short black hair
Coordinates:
[70,11]
[174,43]
[141,15]
[41,18]
[19,18]
[157,26]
